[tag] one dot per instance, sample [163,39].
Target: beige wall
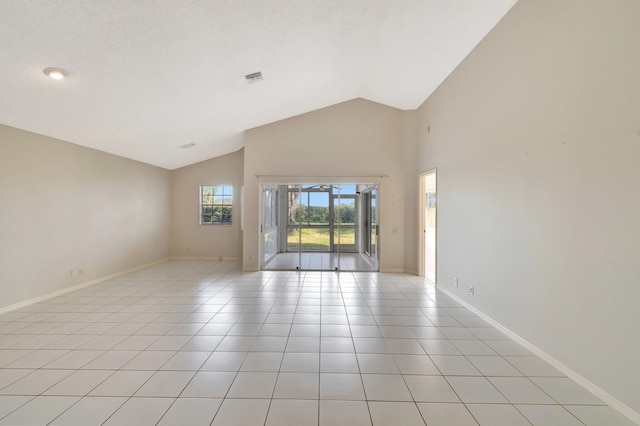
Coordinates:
[66,207]
[410,165]
[188,237]
[356,138]
[536,137]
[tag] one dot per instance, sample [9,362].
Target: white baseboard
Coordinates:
[392,271]
[48,296]
[596,390]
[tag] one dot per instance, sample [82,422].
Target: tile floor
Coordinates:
[321,262]
[199,342]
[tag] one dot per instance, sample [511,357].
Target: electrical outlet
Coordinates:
[472,290]
[73,273]
[455,281]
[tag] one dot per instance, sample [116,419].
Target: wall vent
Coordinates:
[254,77]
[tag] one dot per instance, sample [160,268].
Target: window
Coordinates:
[216,203]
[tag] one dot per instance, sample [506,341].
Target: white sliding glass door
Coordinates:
[318,227]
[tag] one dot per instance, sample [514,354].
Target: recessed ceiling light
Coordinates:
[187,145]
[55,73]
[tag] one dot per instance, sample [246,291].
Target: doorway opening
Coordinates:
[319,227]
[428,218]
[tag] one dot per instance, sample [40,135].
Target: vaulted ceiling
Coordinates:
[147,76]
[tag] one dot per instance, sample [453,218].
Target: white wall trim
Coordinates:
[48,296]
[596,390]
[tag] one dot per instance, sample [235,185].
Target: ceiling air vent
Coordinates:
[254,77]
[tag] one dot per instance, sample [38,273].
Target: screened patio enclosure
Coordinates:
[319,227]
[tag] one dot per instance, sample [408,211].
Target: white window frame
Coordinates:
[220,196]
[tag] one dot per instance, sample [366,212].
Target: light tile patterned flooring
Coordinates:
[199,342]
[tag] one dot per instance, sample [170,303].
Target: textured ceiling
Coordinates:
[146,76]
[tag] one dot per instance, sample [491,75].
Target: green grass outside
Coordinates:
[315,239]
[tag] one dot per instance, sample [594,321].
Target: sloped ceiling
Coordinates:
[147,76]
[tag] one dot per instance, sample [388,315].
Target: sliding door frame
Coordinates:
[367,182]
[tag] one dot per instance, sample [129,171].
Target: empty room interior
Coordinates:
[320,213]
